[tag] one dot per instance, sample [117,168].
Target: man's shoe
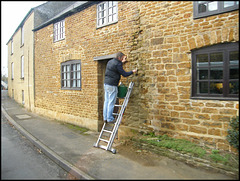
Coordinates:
[112,122]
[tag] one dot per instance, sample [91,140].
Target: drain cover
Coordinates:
[23,116]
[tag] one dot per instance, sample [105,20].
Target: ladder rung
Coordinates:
[118,105]
[115,114]
[107,131]
[103,147]
[104,140]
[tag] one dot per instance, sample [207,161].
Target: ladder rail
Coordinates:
[118,121]
[100,135]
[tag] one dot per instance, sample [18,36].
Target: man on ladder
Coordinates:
[113,73]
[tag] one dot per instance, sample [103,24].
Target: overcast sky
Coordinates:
[12,14]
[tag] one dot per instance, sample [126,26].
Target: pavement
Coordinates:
[74,151]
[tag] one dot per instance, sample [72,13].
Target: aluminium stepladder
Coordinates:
[113,130]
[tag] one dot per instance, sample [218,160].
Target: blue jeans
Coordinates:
[109,102]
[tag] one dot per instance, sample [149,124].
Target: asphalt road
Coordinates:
[20,159]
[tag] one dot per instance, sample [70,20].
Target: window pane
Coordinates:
[202,87]
[228,3]
[102,21]
[73,67]
[202,60]
[68,83]
[68,68]
[234,73]
[234,87]
[110,11]
[64,75]
[212,6]
[115,9]
[216,73]
[110,4]
[78,66]
[234,58]
[74,75]
[216,59]
[115,17]
[74,83]
[110,18]
[216,88]
[101,14]
[202,8]
[78,75]
[202,73]
[78,83]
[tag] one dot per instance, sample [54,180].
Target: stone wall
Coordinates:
[158,37]
[83,41]
[161,100]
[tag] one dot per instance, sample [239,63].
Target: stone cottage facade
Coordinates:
[186,53]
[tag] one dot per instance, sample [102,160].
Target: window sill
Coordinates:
[70,88]
[101,26]
[55,41]
[216,98]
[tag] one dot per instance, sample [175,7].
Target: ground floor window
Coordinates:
[215,72]
[71,75]
[23,102]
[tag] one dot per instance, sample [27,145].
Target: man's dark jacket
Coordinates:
[113,73]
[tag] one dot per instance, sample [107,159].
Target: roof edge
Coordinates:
[71,9]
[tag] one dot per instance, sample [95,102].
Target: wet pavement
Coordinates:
[75,153]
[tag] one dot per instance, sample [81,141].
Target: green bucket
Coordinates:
[122,91]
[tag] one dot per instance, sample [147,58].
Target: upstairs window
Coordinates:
[59,30]
[107,13]
[22,67]
[208,8]
[71,75]
[12,69]
[215,72]
[22,36]
[11,47]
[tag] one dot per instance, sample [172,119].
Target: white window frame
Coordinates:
[107,13]
[22,67]
[12,69]
[23,101]
[22,36]
[12,46]
[59,30]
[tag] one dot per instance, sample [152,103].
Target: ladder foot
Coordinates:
[113,151]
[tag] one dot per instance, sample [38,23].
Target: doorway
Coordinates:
[102,64]
[101,76]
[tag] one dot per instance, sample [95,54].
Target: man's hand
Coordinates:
[135,70]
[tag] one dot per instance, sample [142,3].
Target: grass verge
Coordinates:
[189,152]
